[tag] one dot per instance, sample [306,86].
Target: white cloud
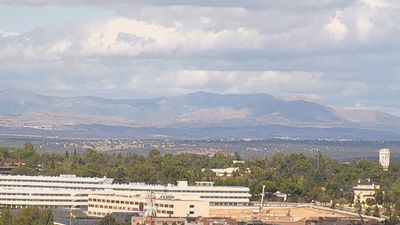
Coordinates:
[337,29]
[306,48]
[254,4]
[375,3]
[274,82]
[5,34]
[152,38]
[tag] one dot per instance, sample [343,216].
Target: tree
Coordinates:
[28,146]
[368,211]
[107,220]
[294,174]
[27,216]
[23,171]
[379,197]
[290,188]
[270,187]
[237,156]
[377,211]
[6,217]
[358,206]
[370,201]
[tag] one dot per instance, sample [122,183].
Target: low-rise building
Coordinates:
[166,205]
[5,168]
[365,190]
[228,172]
[140,220]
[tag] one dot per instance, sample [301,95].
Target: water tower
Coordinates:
[384,158]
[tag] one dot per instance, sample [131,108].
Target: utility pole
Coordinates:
[262,198]
[318,159]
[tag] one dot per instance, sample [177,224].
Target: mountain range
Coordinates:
[194,115]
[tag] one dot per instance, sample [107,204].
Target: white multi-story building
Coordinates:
[68,191]
[384,158]
[54,198]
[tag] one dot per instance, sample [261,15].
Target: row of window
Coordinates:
[43,207]
[127,202]
[47,181]
[40,186]
[126,189]
[128,209]
[50,194]
[113,207]
[113,201]
[42,200]
[165,212]
[23,194]
[227,203]
[234,197]
[97,213]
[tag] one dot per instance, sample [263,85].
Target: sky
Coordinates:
[340,53]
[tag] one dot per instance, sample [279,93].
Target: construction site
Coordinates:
[291,214]
[287,214]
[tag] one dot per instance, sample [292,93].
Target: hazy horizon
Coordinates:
[335,52]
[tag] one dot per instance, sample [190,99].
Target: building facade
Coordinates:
[165,205]
[365,190]
[70,191]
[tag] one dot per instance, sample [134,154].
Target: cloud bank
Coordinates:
[342,53]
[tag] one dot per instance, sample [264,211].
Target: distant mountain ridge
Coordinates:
[24,109]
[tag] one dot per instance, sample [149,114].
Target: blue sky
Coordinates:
[342,53]
[23,18]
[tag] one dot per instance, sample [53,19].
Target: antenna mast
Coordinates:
[150,211]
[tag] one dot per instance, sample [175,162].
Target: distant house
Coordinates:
[5,168]
[365,189]
[225,172]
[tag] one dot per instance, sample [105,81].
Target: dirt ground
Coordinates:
[273,214]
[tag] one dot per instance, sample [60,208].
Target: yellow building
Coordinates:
[365,190]
[166,205]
